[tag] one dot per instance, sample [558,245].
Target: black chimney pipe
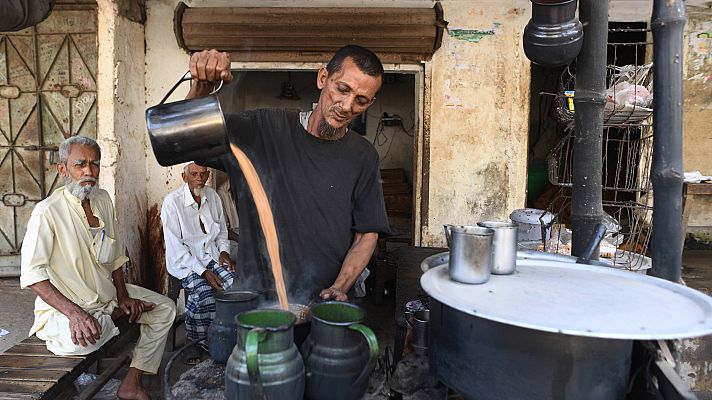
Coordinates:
[668,23]
[589,100]
[553,36]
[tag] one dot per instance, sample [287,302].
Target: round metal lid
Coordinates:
[579,300]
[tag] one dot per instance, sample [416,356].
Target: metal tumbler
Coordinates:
[504,246]
[470,253]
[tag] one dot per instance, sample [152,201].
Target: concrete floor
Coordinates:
[15,312]
[17,305]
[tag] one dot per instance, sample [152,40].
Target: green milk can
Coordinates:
[339,353]
[265,364]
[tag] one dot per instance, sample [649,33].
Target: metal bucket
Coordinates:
[222,331]
[187,130]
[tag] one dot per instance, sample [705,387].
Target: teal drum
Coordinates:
[265,364]
[340,353]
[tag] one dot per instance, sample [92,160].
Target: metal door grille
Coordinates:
[47,93]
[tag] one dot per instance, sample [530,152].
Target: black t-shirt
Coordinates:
[320,192]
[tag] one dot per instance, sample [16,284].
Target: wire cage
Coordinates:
[623,81]
[627,159]
[627,155]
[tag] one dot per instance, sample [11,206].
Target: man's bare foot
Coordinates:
[131,388]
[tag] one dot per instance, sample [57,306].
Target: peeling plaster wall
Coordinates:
[697,117]
[165,63]
[696,353]
[479,105]
[121,128]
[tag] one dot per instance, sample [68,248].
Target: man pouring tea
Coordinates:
[322,180]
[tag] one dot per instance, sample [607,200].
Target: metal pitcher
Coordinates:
[470,253]
[340,353]
[187,130]
[265,364]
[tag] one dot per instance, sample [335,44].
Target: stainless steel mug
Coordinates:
[504,246]
[418,323]
[187,130]
[470,253]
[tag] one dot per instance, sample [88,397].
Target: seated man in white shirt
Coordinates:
[72,258]
[197,247]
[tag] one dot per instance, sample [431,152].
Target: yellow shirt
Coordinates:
[59,246]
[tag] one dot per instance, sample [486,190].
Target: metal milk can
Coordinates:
[222,332]
[340,353]
[265,364]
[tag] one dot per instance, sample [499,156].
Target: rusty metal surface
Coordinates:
[47,93]
[271,34]
[154,250]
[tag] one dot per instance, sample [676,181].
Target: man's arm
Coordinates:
[82,325]
[356,260]
[36,253]
[207,68]
[133,308]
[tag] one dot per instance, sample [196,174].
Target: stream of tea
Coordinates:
[266,221]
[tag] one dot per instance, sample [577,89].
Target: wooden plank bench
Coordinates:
[29,371]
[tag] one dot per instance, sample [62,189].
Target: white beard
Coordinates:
[79,191]
[197,191]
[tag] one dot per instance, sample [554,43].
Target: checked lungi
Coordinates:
[200,303]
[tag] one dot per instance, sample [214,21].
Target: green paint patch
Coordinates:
[470,35]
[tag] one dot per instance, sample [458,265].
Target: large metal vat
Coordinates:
[484,360]
[553,329]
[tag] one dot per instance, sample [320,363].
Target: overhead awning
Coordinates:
[310,33]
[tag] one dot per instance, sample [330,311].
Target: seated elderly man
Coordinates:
[72,258]
[197,247]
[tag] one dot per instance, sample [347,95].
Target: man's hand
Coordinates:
[210,66]
[333,293]
[83,327]
[133,308]
[225,260]
[213,280]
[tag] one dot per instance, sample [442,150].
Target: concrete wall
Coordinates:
[121,127]
[697,117]
[479,107]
